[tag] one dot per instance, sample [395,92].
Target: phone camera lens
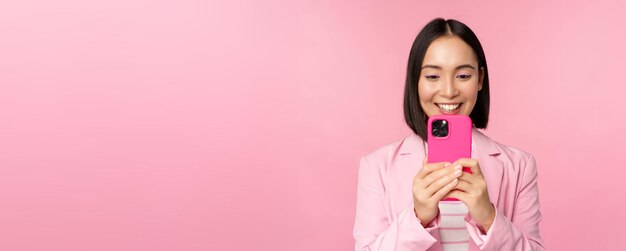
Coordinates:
[440,128]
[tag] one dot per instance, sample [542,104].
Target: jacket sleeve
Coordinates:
[373,230]
[521,231]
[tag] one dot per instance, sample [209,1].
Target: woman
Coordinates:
[399,199]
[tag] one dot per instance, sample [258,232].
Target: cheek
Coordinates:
[470,91]
[425,93]
[471,95]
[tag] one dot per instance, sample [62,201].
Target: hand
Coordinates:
[430,185]
[472,190]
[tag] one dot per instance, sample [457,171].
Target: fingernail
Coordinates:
[447,164]
[457,167]
[457,172]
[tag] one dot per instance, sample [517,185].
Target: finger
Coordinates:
[445,190]
[424,183]
[462,196]
[464,186]
[424,163]
[471,163]
[468,177]
[420,181]
[442,181]
[429,168]
[438,174]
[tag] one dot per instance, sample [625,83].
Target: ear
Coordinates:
[482,77]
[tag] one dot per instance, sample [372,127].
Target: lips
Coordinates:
[450,108]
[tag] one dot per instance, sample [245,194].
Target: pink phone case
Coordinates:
[457,144]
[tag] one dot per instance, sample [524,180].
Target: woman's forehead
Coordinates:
[449,52]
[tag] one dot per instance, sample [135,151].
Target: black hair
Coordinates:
[414,115]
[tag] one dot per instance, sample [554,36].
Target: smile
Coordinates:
[449,108]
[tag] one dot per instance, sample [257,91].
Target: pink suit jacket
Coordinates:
[385,219]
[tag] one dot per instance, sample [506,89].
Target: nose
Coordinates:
[449,90]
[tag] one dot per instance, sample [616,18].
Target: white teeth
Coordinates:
[448,107]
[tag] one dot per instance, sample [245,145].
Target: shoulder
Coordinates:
[512,156]
[384,153]
[388,155]
[394,157]
[519,164]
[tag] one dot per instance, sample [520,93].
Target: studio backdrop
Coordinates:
[239,125]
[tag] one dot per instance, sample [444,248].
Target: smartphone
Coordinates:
[449,139]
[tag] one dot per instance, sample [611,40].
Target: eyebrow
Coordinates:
[457,68]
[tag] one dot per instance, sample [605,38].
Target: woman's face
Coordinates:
[449,81]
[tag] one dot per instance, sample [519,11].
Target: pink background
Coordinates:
[195,125]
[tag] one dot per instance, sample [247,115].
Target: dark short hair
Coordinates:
[414,115]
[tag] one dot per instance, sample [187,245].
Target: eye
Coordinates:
[464,76]
[431,77]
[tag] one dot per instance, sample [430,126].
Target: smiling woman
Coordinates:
[401,197]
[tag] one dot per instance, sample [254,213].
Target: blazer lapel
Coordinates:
[486,151]
[410,159]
